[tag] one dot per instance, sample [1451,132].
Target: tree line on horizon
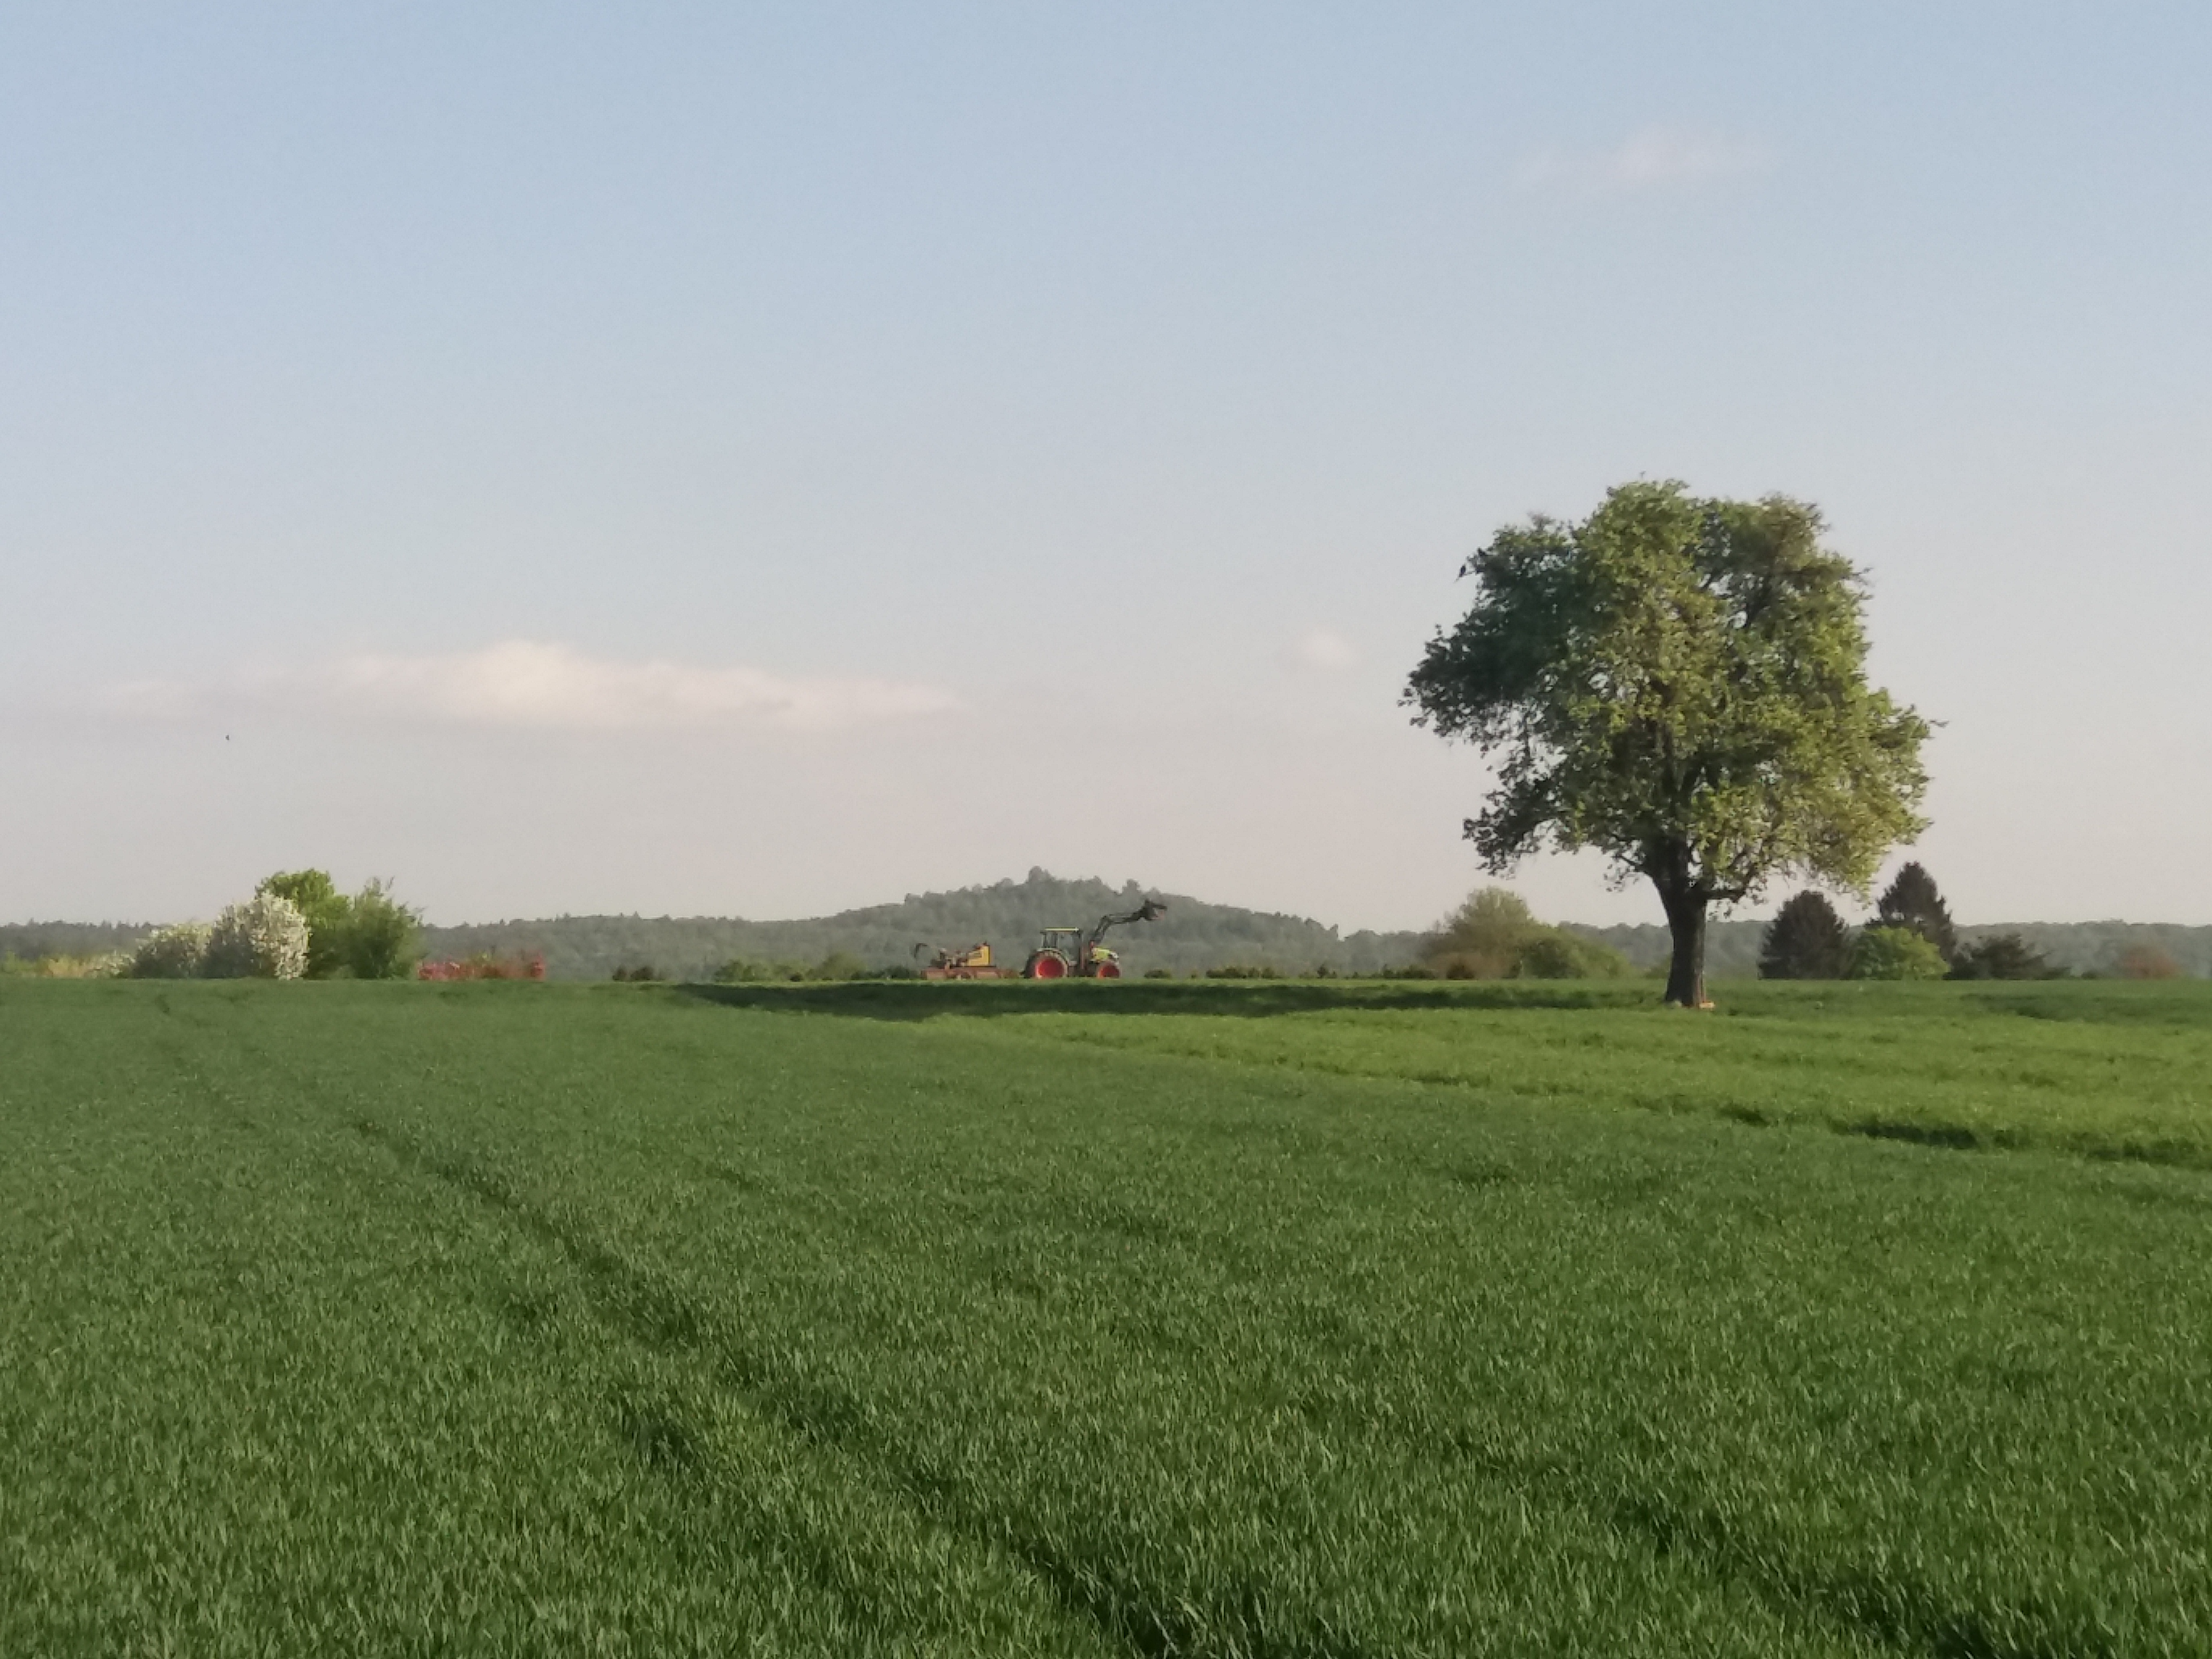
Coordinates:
[1193,938]
[296,925]
[1913,935]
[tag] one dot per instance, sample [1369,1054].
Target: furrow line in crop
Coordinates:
[1147,1621]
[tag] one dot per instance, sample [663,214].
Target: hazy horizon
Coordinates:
[1851,909]
[754,462]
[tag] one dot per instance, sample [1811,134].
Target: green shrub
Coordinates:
[1495,936]
[1554,953]
[265,938]
[383,938]
[104,964]
[1886,952]
[172,953]
[1484,937]
[369,935]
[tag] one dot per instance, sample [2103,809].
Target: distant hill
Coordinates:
[1009,915]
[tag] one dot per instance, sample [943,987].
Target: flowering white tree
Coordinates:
[265,938]
[174,952]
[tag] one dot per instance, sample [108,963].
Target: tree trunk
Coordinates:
[1685,905]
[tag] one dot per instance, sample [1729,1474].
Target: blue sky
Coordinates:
[764,459]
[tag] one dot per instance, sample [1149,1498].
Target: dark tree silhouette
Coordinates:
[1912,901]
[2001,956]
[1806,939]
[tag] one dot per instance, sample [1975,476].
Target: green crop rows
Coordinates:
[1232,1319]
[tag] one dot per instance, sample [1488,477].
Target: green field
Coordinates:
[1254,1319]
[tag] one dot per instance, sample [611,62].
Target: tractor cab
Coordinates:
[1059,955]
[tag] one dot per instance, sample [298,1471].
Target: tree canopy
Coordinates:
[1679,682]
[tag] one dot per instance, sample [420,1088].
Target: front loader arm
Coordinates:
[1145,912]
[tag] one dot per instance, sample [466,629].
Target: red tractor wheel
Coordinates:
[1046,964]
[1106,970]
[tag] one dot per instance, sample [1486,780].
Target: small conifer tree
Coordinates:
[1912,901]
[1806,939]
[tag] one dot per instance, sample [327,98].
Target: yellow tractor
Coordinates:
[974,962]
[1072,952]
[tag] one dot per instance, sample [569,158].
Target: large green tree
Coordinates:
[1680,684]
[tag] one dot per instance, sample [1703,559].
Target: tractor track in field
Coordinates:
[637,1304]
[643,1308]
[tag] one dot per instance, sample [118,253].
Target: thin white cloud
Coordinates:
[1323,650]
[1655,158]
[530,684]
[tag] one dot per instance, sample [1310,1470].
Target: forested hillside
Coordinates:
[27,941]
[1193,934]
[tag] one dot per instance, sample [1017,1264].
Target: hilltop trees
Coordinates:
[1679,682]
[1806,939]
